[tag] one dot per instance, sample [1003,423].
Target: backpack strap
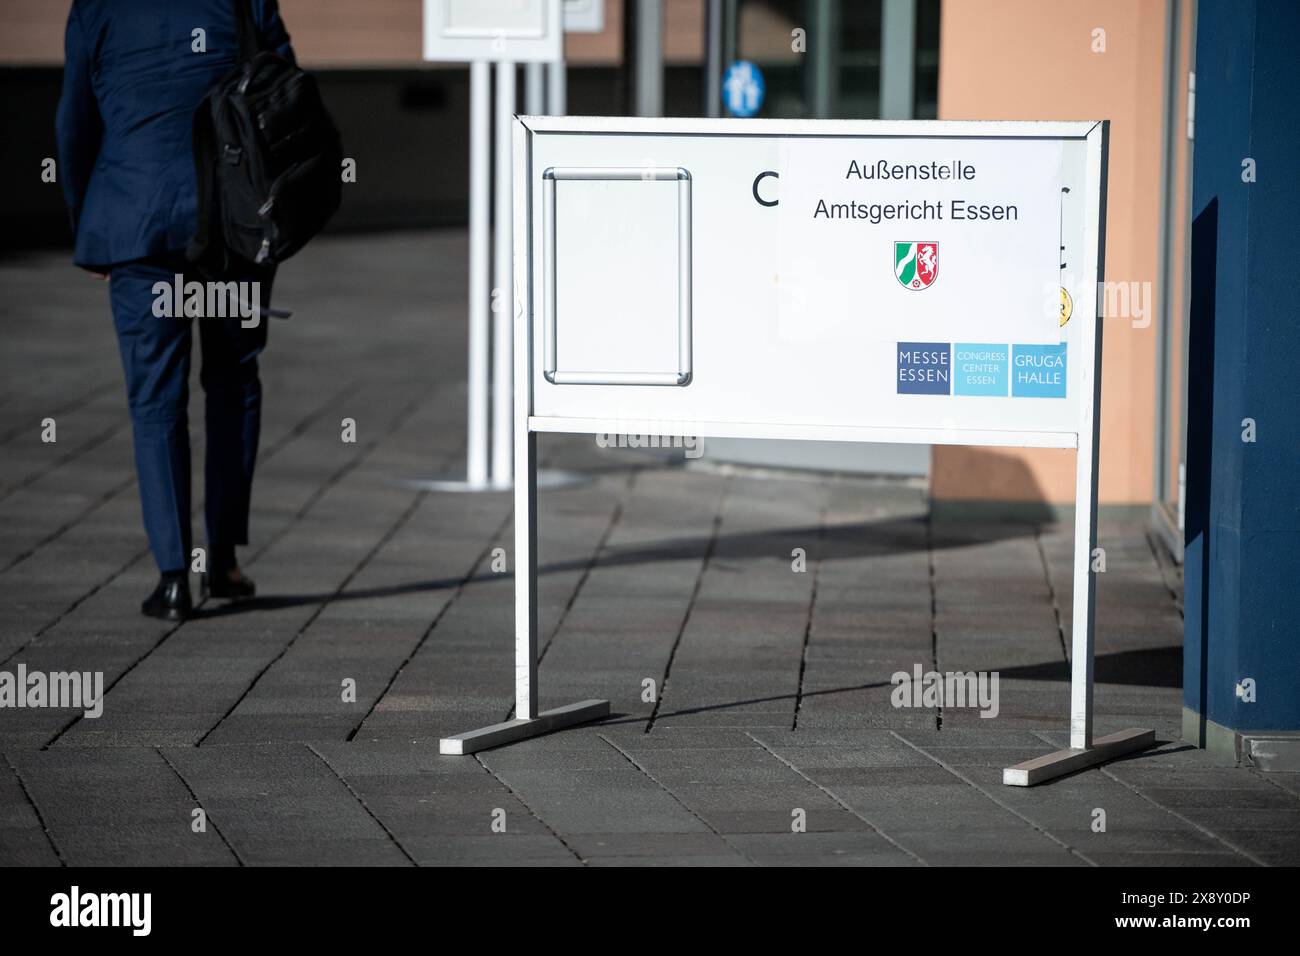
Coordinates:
[250,44]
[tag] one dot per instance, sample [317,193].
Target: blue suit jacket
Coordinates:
[132,79]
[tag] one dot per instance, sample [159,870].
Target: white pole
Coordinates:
[534,89]
[1085,582]
[480,177]
[502,281]
[556,89]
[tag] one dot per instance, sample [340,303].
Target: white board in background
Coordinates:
[519,31]
[584,16]
[766,365]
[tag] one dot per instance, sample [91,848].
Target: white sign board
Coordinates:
[867,281]
[584,16]
[517,31]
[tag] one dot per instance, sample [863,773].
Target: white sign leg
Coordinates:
[1084,750]
[502,277]
[1085,590]
[528,722]
[478,360]
[480,132]
[525,572]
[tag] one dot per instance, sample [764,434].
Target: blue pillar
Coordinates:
[1242,584]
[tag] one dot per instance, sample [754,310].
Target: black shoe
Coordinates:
[170,600]
[219,585]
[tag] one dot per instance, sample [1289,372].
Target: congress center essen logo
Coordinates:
[916,264]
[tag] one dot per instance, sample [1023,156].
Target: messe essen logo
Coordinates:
[916,264]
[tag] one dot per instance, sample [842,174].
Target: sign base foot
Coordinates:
[1070,760]
[546,479]
[511,730]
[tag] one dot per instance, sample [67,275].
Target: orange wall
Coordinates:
[1033,60]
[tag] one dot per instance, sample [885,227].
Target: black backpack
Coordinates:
[268,161]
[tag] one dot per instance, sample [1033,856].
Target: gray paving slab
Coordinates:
[273,804]
[118,806]
[443,810]
[23,838]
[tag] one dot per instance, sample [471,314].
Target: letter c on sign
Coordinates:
[758,179]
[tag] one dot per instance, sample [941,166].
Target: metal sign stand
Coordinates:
[1084,750]
[479,371]
[528,722]
[488,420]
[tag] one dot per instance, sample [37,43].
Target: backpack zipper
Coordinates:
[263,211]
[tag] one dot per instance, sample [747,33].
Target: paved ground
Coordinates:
[773,692]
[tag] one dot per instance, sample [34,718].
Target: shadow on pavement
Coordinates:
[893,536]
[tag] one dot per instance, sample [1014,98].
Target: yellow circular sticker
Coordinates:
[1067,306]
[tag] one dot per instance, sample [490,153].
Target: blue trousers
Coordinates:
[156,358]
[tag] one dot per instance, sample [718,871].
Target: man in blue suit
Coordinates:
[134,73]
